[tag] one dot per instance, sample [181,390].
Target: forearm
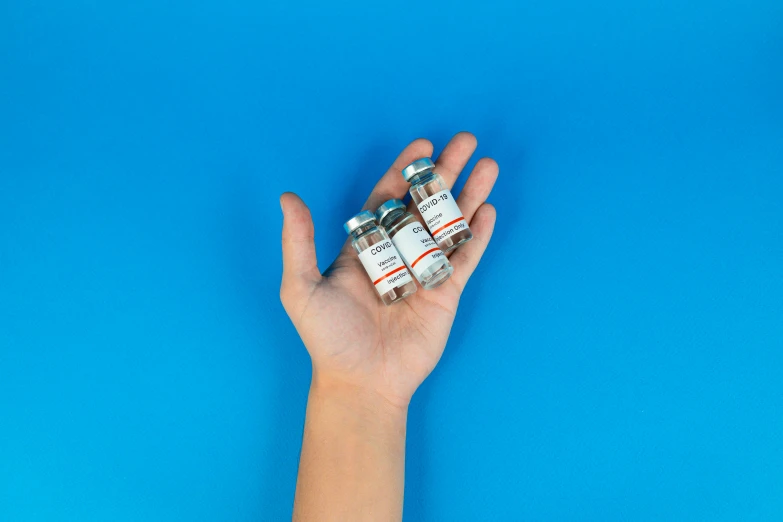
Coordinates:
[353,456]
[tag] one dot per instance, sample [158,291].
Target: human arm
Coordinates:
[353,456]
[368,359]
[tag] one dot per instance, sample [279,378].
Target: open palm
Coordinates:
[352,337]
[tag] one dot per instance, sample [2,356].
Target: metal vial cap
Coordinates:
[417,167]
[386,207]
[360,219]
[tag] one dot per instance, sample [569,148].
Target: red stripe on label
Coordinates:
[387,275]
[430,251]
[447,225]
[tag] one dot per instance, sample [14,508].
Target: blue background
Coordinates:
[617,356]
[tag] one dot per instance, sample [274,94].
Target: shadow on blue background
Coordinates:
[617,355]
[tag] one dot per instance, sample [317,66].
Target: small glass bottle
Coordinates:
[419,251]
[437,206]
[383,263]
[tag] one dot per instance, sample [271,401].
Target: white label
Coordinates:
[442,215]
[417,248]
[384,266]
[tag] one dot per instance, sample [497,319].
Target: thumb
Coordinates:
[299,262]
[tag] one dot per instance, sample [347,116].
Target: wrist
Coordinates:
[353,454]
[363,401]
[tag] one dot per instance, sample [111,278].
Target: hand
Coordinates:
[354,340]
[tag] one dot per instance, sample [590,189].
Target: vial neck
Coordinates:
[360,231]
[392,217]
[422,177]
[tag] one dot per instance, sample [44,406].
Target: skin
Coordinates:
[368,359]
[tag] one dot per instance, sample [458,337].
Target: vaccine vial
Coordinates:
[419,251]
[437,206]
[383,263]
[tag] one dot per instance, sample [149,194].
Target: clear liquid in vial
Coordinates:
[438,272]
[426,186]
[397,293]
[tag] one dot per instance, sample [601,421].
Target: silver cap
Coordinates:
[360,219]
[417,167]
[386,207]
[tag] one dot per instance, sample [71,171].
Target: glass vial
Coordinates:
[419,251]
[437,206]
[383,263]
